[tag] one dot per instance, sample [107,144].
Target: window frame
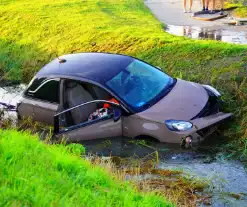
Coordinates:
[57,130]
[28,92]
[125,107]
[151,102]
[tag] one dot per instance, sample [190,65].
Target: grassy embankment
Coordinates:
[35,174]
[34,32]
[240,12]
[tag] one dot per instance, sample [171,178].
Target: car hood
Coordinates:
[184,102]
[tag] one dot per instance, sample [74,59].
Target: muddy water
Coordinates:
[224,35]
[225,176]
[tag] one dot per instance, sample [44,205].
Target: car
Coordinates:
[102,95]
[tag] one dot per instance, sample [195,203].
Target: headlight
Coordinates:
[176,125]
[212,89]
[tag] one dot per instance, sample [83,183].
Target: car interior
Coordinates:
[77,93]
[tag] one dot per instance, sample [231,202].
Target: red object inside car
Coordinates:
[106,105]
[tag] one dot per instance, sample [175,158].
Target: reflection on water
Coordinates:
[239,37]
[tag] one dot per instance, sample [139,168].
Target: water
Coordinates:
[225,176]
[224,35]
[11,95]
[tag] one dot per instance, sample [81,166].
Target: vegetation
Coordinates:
[180,189]
[240,2]
[240,11]
[173,185]
[34,32]
[35,174]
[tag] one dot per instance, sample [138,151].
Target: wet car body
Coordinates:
[149,103]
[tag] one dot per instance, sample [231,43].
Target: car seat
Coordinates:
[76,95]
[101,93]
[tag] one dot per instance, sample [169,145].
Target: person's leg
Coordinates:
[203,5]
[221,7]
[191,2]
[213,7]
[207,4]
[184,6]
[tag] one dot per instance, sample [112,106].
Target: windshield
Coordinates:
[140,85]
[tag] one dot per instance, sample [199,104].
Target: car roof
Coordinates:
[98,67]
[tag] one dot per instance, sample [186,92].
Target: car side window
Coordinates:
[49,91]
[76,93]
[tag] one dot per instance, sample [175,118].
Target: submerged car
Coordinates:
[101,95]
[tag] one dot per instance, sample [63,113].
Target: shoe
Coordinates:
[221,12]
[185,11]
[203,9]
[190,11]
[206,9]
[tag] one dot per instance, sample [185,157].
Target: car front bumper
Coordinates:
[203,127]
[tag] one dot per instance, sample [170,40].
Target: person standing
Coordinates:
[190,2]
[213,6]
[221,7]
[205,8]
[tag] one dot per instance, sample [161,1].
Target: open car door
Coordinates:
[103,123]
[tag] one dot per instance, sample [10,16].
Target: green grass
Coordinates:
[34,32]
[35,174]
[240,12]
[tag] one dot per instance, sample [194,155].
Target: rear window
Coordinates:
[35,83]
[45,90]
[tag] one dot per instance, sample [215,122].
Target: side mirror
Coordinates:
[117,114]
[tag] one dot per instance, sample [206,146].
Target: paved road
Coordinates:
[171,12]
